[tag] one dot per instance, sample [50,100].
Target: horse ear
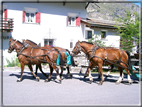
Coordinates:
[23,40]
[10,39]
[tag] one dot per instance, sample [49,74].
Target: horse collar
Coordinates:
[23,47]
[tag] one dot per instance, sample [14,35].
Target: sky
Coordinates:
[138,2]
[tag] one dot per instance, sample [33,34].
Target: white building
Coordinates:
[104,30]
[56,24]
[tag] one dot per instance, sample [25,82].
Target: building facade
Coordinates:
[55,24]
[102,30]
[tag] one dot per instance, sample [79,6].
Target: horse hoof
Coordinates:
[46,80]
[118,82]
[90,82]
[60,81]
[100,83]
[19,80]
[37,78]
[130,82]
[59,78]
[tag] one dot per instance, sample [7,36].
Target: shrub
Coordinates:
[14,62]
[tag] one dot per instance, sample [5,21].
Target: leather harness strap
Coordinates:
[31,54]
[95,47]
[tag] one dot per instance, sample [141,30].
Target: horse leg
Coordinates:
[85,75]
[54,67]
[69,74]
[31,69]
[22,69]
[128,76]
[89,74]
[112,66]
[98,73]
[128,73]
[121,76]
[40,68]
[36,69]
[101,74]
[51,71]
[57,72]
[62,69]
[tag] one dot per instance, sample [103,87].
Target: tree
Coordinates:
[97,41]
[129,33]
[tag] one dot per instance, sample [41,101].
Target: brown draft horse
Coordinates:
[29,56]
[104,56]
[61,51]
[33,44]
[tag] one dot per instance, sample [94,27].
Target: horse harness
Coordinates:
[93,51]
[34,57]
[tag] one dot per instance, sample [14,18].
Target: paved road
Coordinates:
[75,91]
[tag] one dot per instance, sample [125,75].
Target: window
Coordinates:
[71,44]
[30,15]
[48,42]
[103,34]
[71,21]
[89,34]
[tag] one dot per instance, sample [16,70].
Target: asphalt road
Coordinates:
[75,91]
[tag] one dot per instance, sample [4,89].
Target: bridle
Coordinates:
[77,49]
[11,47]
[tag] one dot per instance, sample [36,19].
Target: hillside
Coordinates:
[110,11]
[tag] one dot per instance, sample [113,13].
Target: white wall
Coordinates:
[111,38]
[53,17]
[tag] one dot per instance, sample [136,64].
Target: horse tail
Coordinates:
[129,60]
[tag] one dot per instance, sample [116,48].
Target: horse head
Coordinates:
[76,49]
[11,45]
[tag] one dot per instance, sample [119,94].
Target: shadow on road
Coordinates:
[110,78]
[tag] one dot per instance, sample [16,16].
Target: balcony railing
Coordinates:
[7,24]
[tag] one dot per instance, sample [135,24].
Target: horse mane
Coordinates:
[57,50]
[19,42]
[31,41]
[87,42]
